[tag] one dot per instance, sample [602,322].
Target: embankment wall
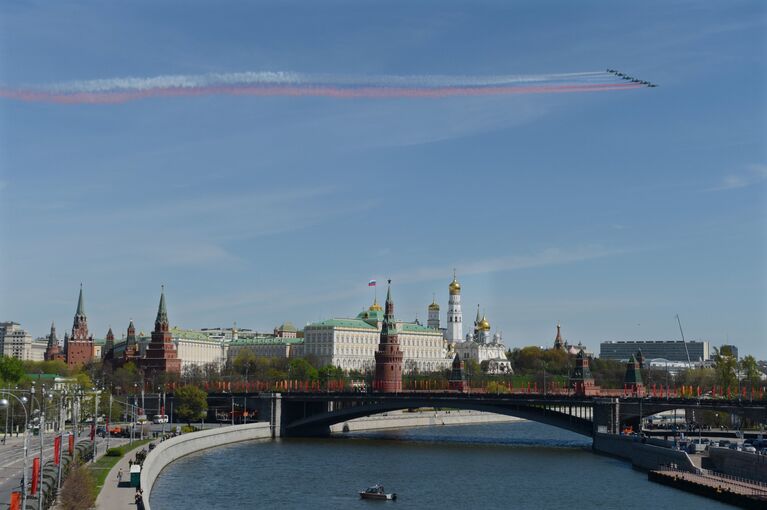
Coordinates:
[650,455]
[172,449]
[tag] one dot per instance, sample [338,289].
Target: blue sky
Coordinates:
[610,212]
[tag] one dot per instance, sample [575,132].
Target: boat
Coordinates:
[377,492]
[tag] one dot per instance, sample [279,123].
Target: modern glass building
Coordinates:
[672,350]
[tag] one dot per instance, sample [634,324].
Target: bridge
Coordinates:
[299,413]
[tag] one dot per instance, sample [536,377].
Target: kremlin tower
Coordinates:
[161,355]
[79,347]
[53,351]
[388,375]
[454,316]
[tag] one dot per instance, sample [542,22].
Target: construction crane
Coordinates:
[683,341]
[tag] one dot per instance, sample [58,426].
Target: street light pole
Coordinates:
[96,394]
[4,403]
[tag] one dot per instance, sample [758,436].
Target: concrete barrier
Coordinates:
[646,456]
[173,449]
[742,464]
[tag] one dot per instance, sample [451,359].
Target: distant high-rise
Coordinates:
[388,375]
[671,350]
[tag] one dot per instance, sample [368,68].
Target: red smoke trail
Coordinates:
[39,96]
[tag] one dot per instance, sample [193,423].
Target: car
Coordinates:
[749,449]
[763,451]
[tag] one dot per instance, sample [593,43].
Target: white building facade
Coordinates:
[16,342]
[350,344]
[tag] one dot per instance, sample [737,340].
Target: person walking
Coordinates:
[119,477]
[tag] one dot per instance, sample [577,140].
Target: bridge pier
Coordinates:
[606,416]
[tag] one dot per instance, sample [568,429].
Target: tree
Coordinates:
[302,370]
[726,367]
[11,369]
[750,370]
[191,403]
[246,363]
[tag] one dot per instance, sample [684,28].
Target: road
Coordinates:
[12,460]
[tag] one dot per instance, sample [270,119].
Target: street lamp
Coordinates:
[4,402]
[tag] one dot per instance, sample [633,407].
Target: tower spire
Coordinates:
[162,311]
[80,303]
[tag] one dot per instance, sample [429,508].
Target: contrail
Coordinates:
[122,90]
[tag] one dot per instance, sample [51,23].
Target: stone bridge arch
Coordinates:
[305,418]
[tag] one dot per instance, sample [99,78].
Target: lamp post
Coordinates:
[96,394]
[4,402]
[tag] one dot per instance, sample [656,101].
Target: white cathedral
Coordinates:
[478,345]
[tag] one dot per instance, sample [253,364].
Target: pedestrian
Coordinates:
[119,476]
[130,463]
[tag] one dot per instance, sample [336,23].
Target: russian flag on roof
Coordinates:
[372,283]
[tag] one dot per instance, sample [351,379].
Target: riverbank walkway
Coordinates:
[114,495]
[739,491]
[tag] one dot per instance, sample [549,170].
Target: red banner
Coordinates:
[71,444]
[93,430]
[56,450]
[15,501]
[35,475]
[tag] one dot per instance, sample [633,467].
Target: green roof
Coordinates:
[371,315]
[266,340]
[416,328]
[189,334]
[345,323]
[287,327]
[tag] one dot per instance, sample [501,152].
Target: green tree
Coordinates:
[11,369]
[191,403]
[751,373]
[246,363]
[726,368]
[302,370]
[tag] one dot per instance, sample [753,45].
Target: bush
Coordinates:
[114,452]
[79,490]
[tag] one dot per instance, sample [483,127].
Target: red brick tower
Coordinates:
[457,380]
[107,352]
[131,351]
[388,378]
[161,355]
[581,380]
[53,351]
[79,349]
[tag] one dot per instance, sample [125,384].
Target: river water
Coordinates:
[521,465]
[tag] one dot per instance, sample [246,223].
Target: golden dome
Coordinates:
[375,307]
[434,306]
[455,287]
[484,325]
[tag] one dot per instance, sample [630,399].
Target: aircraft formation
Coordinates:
[631,78]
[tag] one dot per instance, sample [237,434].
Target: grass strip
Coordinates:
[101,468]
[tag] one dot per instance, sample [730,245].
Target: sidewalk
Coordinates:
[114,497]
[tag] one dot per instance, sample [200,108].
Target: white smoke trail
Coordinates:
[267,78]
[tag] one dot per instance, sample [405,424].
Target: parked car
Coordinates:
[749,449]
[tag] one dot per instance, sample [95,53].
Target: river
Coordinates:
[522,465]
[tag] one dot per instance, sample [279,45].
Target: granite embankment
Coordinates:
[420,418]
[172,449]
